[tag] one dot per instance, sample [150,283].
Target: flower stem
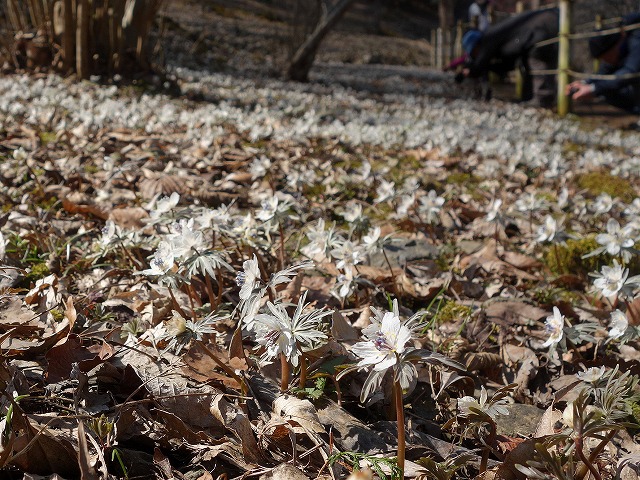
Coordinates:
[397,396]
[303,371]
[587,462]
[210,294]
[286,371]
[176,305]
[584,468]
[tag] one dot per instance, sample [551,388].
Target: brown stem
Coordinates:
[220,289]
[281,253]
[397,396]
[284,375]
[393,277]
[211,295]
[191,293]
[176,305]
[587,462]
[584,469]
[491,440]
[303,371]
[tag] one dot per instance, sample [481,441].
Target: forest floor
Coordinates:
[254,278]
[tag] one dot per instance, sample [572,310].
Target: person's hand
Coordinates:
[579,90]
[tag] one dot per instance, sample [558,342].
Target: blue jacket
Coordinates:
[629,61]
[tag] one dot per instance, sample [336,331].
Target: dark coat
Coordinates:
[629,61]
[504,43]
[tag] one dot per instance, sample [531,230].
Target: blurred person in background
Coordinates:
[480,14]
[512,44]
[619,55]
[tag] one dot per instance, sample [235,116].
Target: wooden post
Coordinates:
[440,50]
[447,45]
[458,45]
[434,41]
[68,37]
[563,56]
[519,81]
[598,26]
[82,39]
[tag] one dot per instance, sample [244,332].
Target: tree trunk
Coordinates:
[302,60]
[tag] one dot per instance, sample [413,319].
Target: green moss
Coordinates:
[58,315]
[554,295]
[38,271]
[568,257]
[451,311]
[462,178]
[91,169]
[600,182]
[47,137]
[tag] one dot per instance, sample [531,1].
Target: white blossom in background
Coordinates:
[494,211]
[563,199]
[430,207]
[617,240]
[163,260]
[405,203]
[614,281]
[493,409]
[633,209]
[529,203]
[348,254]
[260,167]
[163,205]
[554,327]
[353,212]
[591,375]
[249,279]
[550,231]
[603,204]
[386,191]
[618,324]
[185,239]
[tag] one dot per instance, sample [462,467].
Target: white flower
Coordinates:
[186,240]
[554,326]
[280,333]
[109,231]
[353,212]
[529,203]
[591,375]
[268,209]
[249,278]
[164,205]
[348,254]
[405,203]
[493,213]
[430,206]
[163,260]
[371,241]
[603,204]
[611,280]
[618,325]
[547,231]
[616,238]
[385,191]
[382,347]
[259,167]
[493,409]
